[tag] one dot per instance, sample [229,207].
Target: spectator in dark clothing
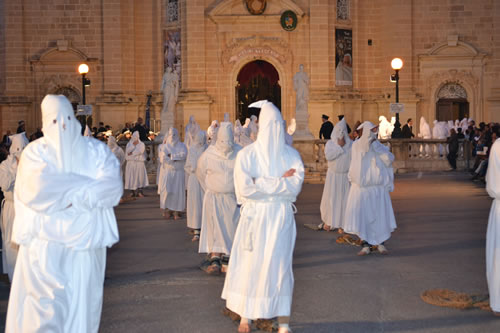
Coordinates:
[348,128]
[101,127]
[460,135]
[21,127]
[143,131]
[6,140]
[126,128]
[326,129]
[38,134]
[452,149]
[407,131]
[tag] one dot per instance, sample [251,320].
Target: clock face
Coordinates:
[256,7]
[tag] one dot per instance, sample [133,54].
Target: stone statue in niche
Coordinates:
[170,89]
[301,87]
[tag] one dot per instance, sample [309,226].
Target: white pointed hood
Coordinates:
[19,141]
[61,129]
[340,131]
[271,141]
[367,137]
[224,144]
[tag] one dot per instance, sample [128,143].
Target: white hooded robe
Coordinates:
[259,281]
[336,189]
[66,188]
[220,212]
[136,176]
[195,192]
[8,169]
[493,232]
[172,187]
[118,151]
[369,212]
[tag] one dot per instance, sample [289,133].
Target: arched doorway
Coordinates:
[257,80]
[452,103]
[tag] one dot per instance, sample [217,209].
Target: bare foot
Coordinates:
[244,328]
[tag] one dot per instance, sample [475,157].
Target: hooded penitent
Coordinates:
[195,192]
[259,281]
[136,176]
[191,129]
[8,169]
[64,195]
[118,151]
[240,134]
[172,155]
[212,132]
[425,129]
[369,211]
[253,127]
[336,189]
[385,128]
[225,140]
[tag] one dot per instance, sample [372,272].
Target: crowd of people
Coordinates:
[235,183]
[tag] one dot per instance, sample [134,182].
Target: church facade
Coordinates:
[227,54]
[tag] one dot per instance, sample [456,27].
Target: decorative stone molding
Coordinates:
[452,91]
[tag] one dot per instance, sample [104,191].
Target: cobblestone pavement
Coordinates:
[153,283]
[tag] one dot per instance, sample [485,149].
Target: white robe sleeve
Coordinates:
[333,150]
[493,173]
[105,189]
[201,170]
[385,155]
[137,152]
[7,174]
[262,188]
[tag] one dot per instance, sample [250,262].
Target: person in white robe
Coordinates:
[195,192]
[66,188]
[118,151]
[192,128]
[425,133]
[8,170]
[369,212]
[136,176]
[240,136]
[385,128]
[226,117]
[172,186]
[493,231]
[212,132]
[220,212]
[336,189]
[268,178]
[253,127]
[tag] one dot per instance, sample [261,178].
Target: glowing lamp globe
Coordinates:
[397,64]
[83,69]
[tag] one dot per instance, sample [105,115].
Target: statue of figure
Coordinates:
[301,87]
[170,88]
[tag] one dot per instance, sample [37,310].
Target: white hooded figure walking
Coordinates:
[240,134]
[369,212]
[212,132]
[426,134]
[8,169]
[136,176]
[195,192]
[268,177]
[190,132]
[336,190]
[220,212]
[66,188]
[118,151]
[385,128]
[493,231]
[172,187]
[253,127]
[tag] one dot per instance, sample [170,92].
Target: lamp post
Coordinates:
[83,69]
[396,64]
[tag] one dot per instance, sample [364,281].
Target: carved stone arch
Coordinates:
[454,48]
[70,92]
[57,54]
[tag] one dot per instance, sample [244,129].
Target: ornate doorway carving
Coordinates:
[452,103]
[257,80]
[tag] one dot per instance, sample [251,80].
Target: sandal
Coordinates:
[211,266]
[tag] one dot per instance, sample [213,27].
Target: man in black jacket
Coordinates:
[407,131]
[326,129]
[452,149]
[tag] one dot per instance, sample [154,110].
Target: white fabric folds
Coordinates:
[136,176]
[220,212]
[195,192]
[259,282]
[172,187]
[493,232]
[64,198]
[337,186]
[369,212]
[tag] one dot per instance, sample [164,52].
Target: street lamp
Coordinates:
[83,69]
[396,64]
